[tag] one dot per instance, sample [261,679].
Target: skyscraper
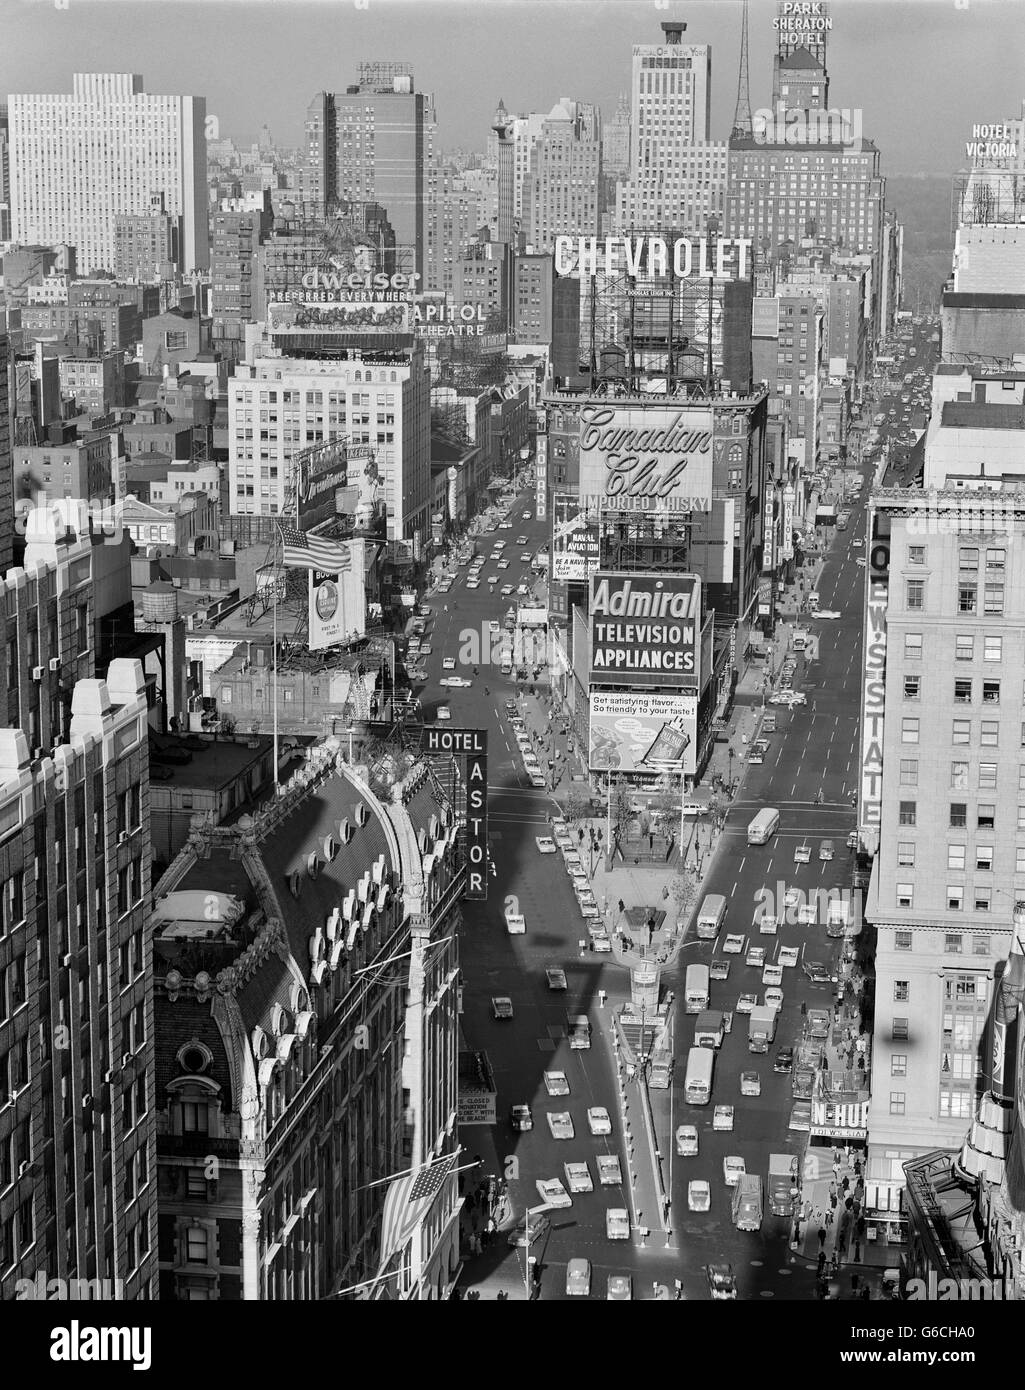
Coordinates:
[6,461]
[561,196]
[374,143]
[80,160]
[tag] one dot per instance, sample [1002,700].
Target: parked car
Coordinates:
[540,1225]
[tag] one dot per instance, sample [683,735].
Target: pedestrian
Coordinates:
[804,1009]
[833,1199]
[836,1168]
[822,1262]
[848,1203]
[832,1189]
[857,1167]
[834,1264]
[491,1229]
[855,1281]
[829,1219]
[857,1251]
[822,1237]
[846,1184]
[866,1293]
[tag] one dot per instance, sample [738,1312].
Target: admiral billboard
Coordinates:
[645,630]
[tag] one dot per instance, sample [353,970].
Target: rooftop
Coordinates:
[980,415]
[216,765]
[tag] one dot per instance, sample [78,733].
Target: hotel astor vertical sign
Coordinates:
[471,744]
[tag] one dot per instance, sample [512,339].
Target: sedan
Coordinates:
[551,1190]
[522,590]
[501,1006]
[780,698]
[733,1169]
[503,564]
[826,613]
[540,1225]
[560,1123]
[772,974]
[798,697]
[449,664]
[687,1141]
[545,845]
[619,1288]
[456,682]
[733,945]
[784,1061]
[426,649]
[578,1278]
[507,589]
[816,972]
[578,1177]
[609,1172]
[699,1195]
[774,999]
[722,1283]
[527,516]
[525,558]
[750,1083]
[800,1116]
[617,1224]
[746,1003]
[443,713]
[598,1120]
[473,583]
[556,979]
[536,781]
[722,1117]
[792,897]
[521,1118]
[719,970]
[755,957]
[787,956]
[556,1083]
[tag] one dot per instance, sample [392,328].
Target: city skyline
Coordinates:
[934,61]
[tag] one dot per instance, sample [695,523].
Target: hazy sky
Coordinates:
[921,70]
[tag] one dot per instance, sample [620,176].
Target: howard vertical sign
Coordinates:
[471,744]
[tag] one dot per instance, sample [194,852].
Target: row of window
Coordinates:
[981,897]
[961,732]
[953,943]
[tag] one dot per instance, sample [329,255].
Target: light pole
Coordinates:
[529,1259]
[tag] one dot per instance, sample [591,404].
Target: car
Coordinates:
[802,853]
[807,914]
[473,583]
[556,1083]
[563,836]
[560,1124]
[617,1224]
[522,591]
[792,897]
[699,1195]
[755,957]
[537,781]
[787,956]
[783,1062]
[556,979]
[816,972]
[853,840]
[507,589]
[619,1288]
[687,1141]
[501,1006]
[545,844]
[733,945]
[540,1225]
[505,525]
[858,542]
[756,755]
[722,1282]
[779,698]
[522,540]
[511,707]
[521,1118]
[456,682]
[860,561]
[609,1172]
[722,1117]
[525,558]
[774,999]
[826,613]
[449,664]
[578,1177]
[551,1190]
[796,697]
[443,713]
[733,1169]
[767,924]
[719,970]
[800,1116]
[772,973]
[746,1003]
[527,516]
[598,1121]
[426,650]
[750,1083]
[578,1278]
[503,564]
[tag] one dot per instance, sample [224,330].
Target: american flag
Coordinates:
[408,1201]
[301,551]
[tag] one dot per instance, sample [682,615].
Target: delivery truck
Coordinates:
[783,1183]
[747,1203]
[708,1029]
[761,1028]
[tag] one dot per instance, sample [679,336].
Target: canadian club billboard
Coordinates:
[646,631]
[651,460]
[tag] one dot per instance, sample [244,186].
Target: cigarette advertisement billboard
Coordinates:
[639,732]
[644,460]
[574,539]
[645,630]
[338,603]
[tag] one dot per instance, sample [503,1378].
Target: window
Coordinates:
[196,1183]
[197,1240]
[908,812]
[962,731]
[195,1118]
[912,687]
[996,561]
[964,648]
[994,603]
[902,941]
[967,597]
[1019,859]
[225,694]
[915,594]
[1021,818]
[980,945]
[952,943]
[906,854]
[984,858]
[990,735]
[899,1029]
[962,692]
[899,1064]
[909,772]
[912,646]
[909,731]
[987,776]
[991,692]
[901,991]
[897,1102]
[916,554]
[905,895]
[968,558]
[987,815]
[959,775]
[956,857]
[955,897]
[993,649]
[983,898]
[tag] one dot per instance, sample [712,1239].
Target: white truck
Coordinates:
[761,1028]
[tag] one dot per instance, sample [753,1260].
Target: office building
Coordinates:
[453,217]
[374,143]
[146,247]
[788,344]
[344,877]
[237,235]
[5,175]
[615,141]
[561,196]
[67,188]
[6,459]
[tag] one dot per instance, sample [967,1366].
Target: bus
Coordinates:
[763,827]
[661,1074]
[696,992]
[700,1065]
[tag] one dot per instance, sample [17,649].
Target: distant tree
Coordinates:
[684,891]
[577,807]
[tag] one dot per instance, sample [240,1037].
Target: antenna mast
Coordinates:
[742,115]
